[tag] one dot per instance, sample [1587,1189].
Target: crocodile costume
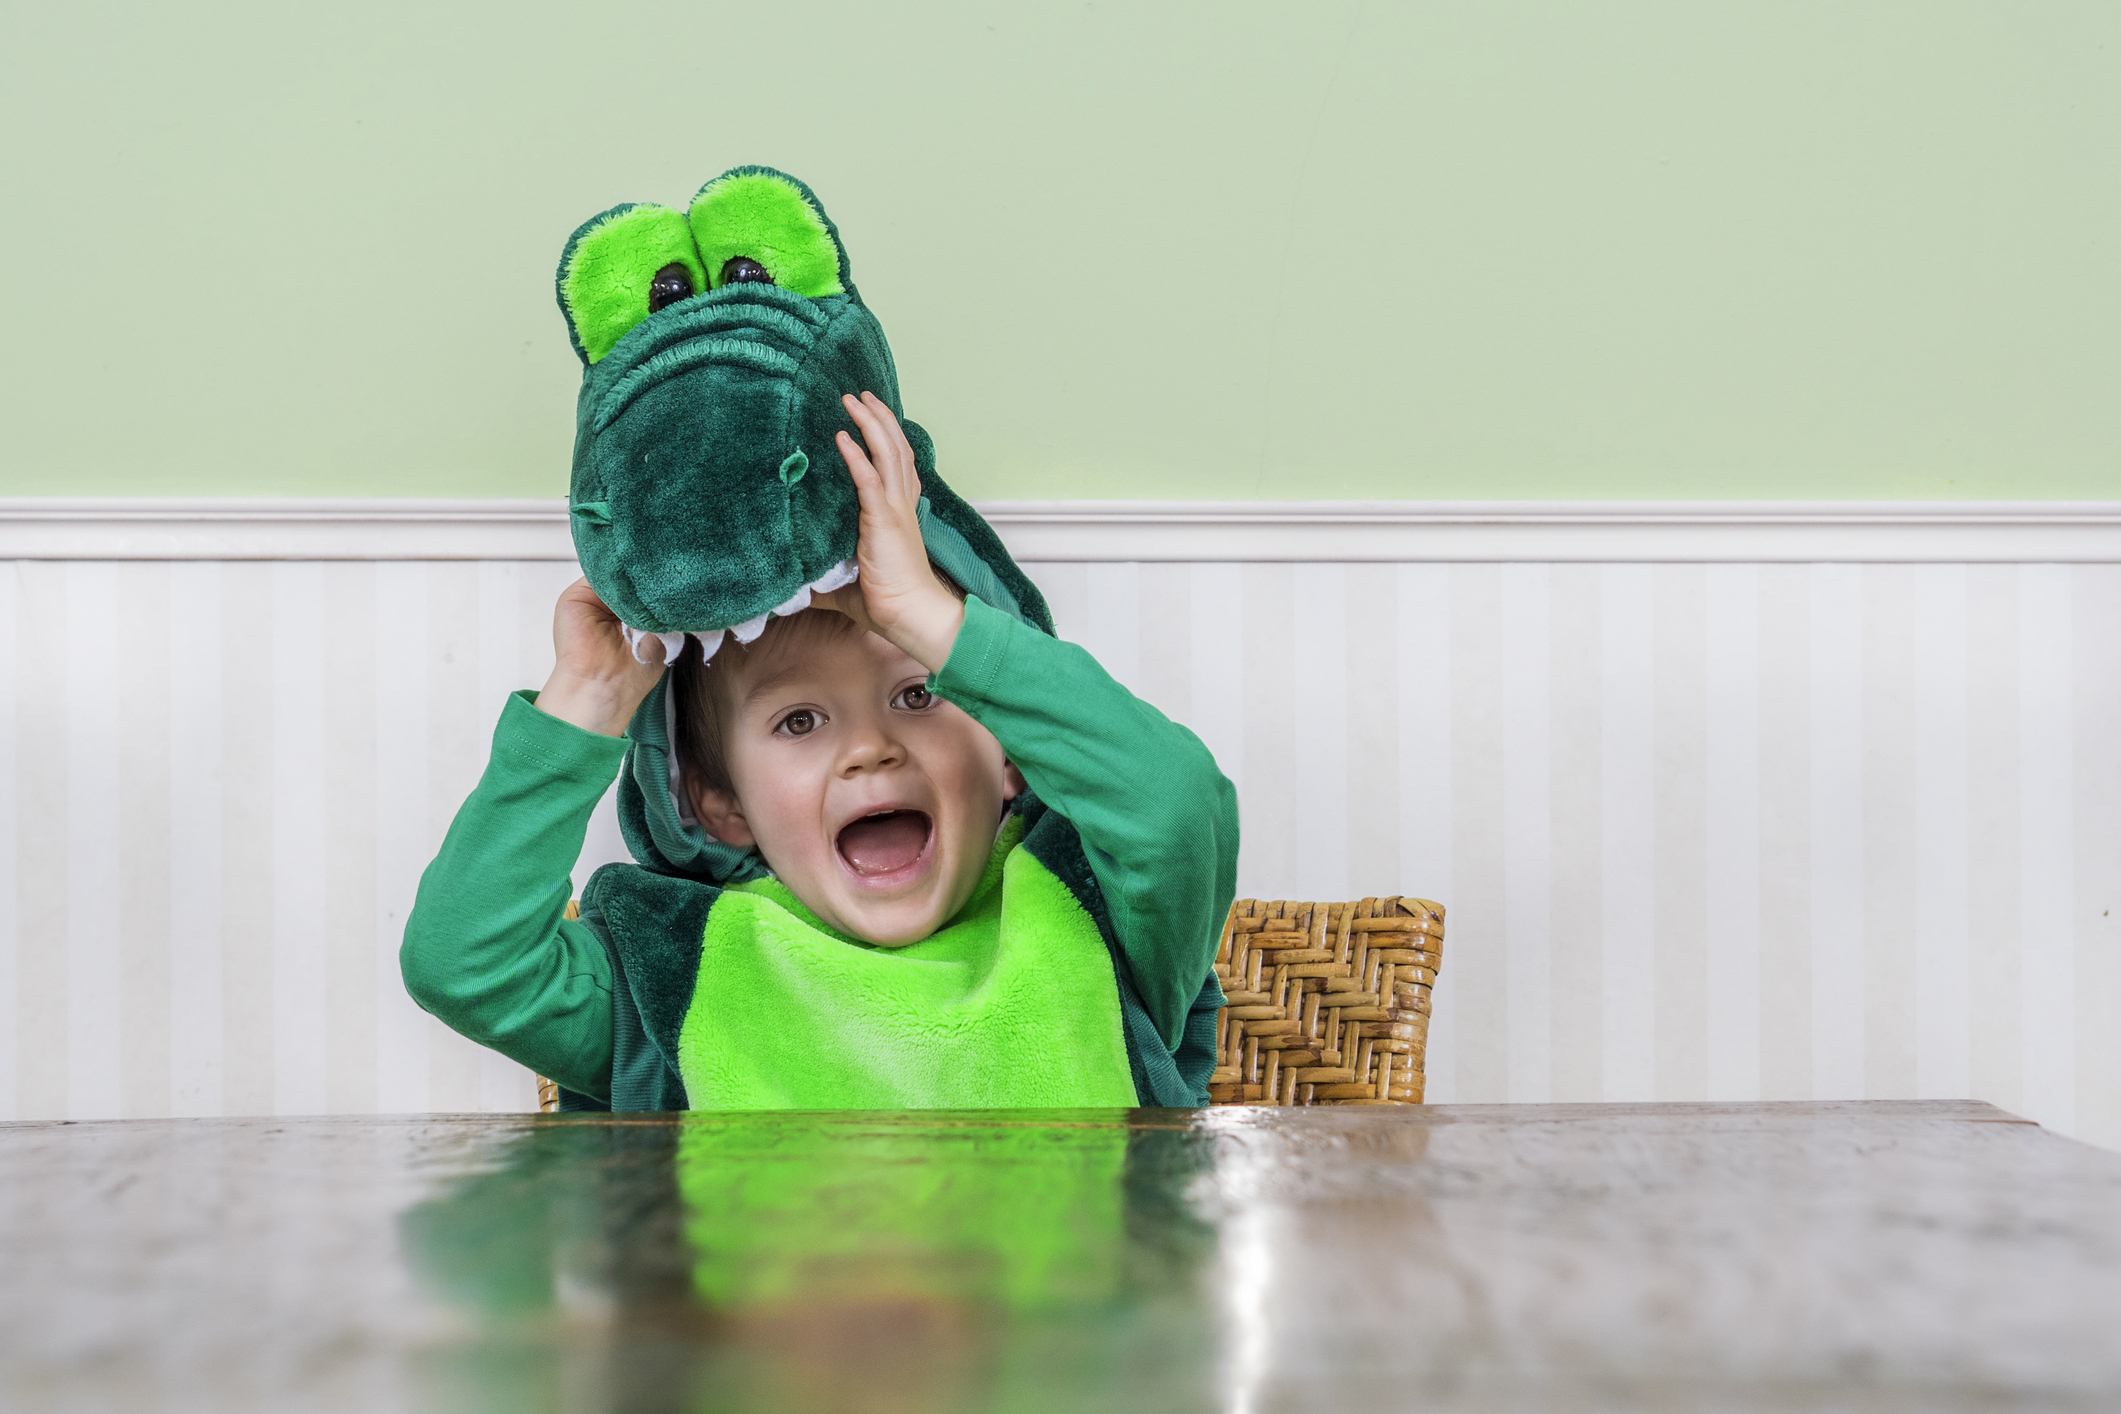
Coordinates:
[707,496]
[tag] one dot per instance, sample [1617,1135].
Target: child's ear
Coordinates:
[1012,781]
[721,815]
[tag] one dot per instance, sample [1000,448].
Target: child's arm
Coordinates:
[1157,820]
[486,948]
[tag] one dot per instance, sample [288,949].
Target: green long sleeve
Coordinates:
[1158,821]
[486,948]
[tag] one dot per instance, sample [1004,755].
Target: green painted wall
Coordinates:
[1217,250]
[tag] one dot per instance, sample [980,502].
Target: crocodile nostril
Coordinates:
[743,270]
[671,283]
[793,466]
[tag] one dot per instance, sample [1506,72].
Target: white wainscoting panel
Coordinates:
[1704,831]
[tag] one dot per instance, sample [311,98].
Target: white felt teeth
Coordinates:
[839,576]
[672,644]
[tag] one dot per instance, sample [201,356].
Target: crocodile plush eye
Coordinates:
[622,266]
[671,283]
[753,225]
[743,270]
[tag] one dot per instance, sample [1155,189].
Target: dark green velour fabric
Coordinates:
[651,925]
[684,517]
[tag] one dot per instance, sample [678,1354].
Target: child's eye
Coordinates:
[916,698]
[801,722]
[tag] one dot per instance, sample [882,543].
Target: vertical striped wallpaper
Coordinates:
[1704,831]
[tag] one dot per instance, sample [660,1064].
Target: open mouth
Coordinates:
[886,843]
[672,644]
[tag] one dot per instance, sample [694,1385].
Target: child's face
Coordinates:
[876,803]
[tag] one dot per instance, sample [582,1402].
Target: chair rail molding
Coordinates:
[298,528]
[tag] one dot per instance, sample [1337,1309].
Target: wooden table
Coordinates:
[1618,1257]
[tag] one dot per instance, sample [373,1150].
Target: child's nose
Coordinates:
[870,746]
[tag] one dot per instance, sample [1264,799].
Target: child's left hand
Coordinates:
[898,597]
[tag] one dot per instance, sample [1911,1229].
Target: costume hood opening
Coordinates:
[655,814]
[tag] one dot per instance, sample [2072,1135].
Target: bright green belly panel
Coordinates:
[1013,1004]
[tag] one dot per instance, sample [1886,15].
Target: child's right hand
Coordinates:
[596,682]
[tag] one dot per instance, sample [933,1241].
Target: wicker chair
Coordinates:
[1325,1003]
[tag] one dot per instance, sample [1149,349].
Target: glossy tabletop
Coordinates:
[1619,1257]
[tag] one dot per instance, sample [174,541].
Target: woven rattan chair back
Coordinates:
[1327,1003]
[1324,1003]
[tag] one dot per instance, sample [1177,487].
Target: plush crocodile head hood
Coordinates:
[707,492]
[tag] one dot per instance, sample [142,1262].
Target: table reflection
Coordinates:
[848,1262]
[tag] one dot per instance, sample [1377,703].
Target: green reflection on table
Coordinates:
[795,1261]
[1017,1215]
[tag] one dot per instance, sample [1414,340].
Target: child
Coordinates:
[997,878]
